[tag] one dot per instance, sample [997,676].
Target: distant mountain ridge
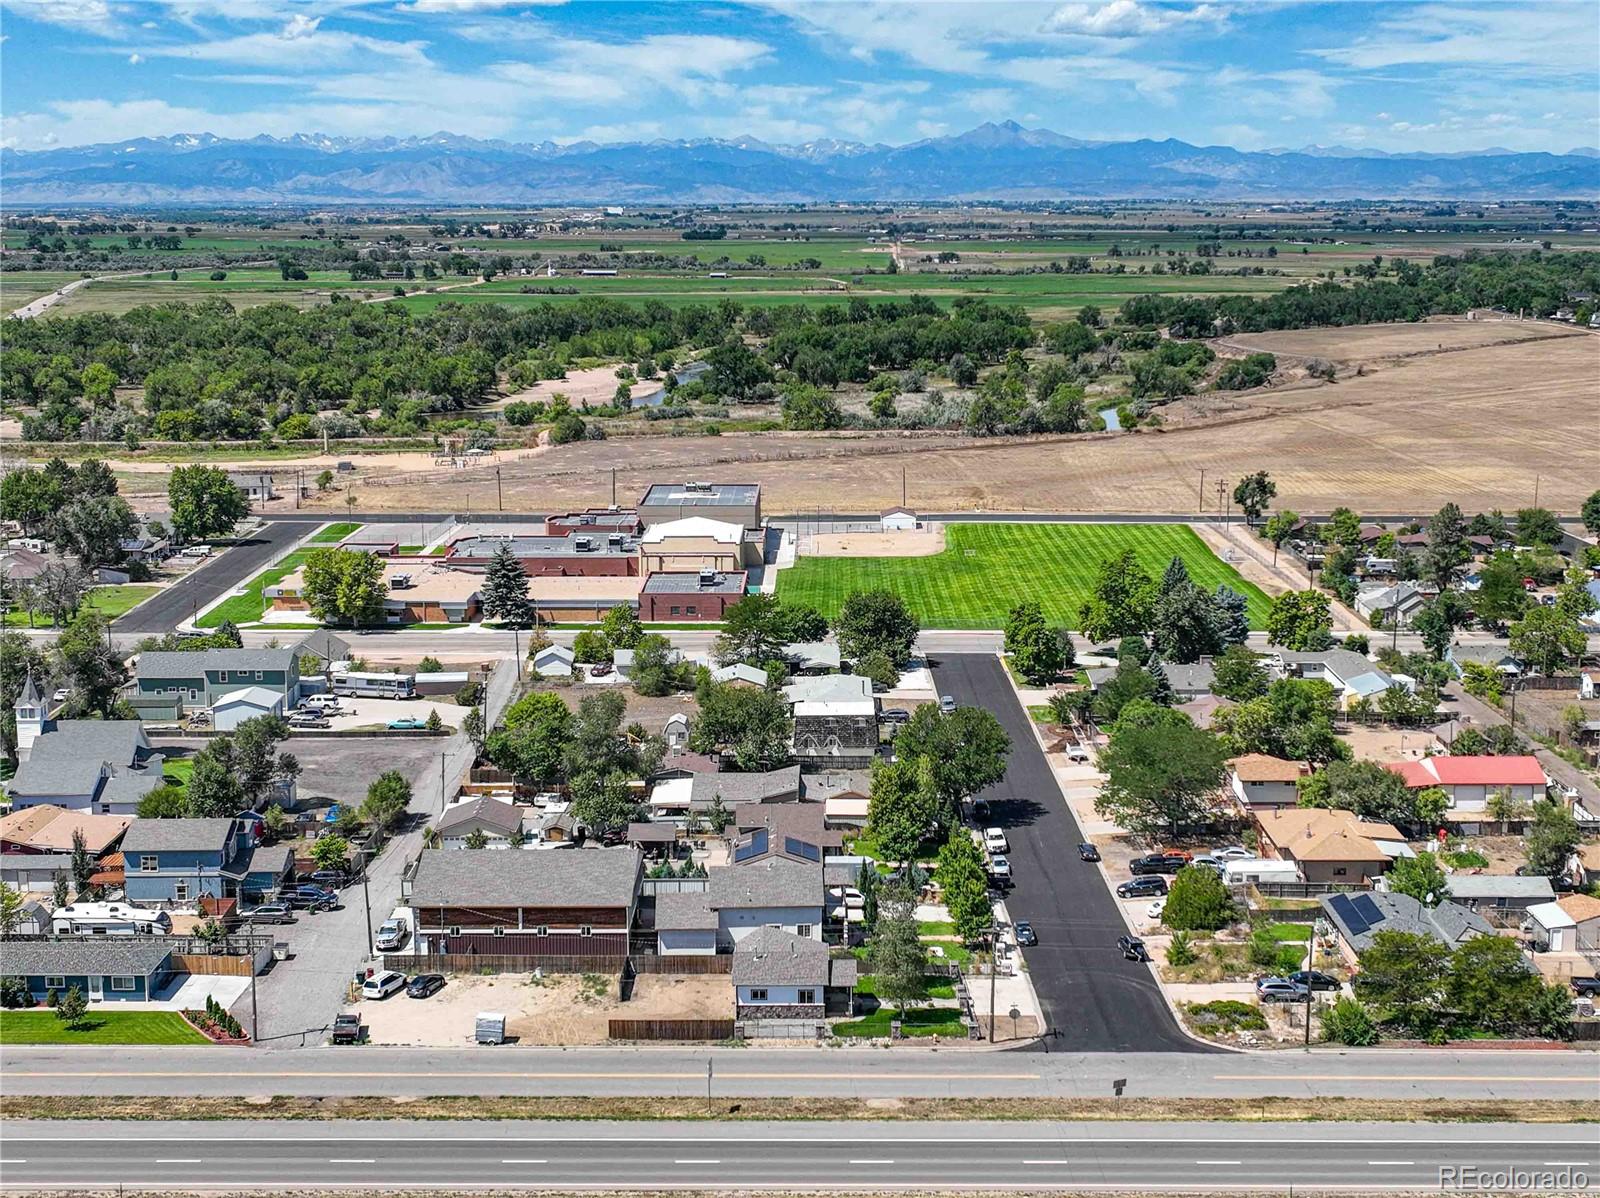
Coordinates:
[1001,161]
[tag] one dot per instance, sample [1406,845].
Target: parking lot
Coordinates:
[355,712]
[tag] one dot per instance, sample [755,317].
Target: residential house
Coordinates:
[845,796]
[553,661]
[1496,657]
[812,657]
[1358,918]
[1192,680]
[897,519]
[740,674]
[1330,845]
[257,486]
[1350,674]
[695,793]
[1386,604]
[200,678]
[838,734]
[1498,892]
[764,890]
[499,822]
[46,828]
[733,503]
[1468,782]
[577,903]
[1260,781]
[704,595]
[798,831]
[177,862]
[103,968]
[777,975]
[828,688]
[102,767]
[696,543]
[1571,924]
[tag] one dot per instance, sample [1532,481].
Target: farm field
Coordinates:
[20,287]
[1370,342]
[242,288]
[986,569]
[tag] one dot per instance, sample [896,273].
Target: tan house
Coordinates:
[1258,780]
[698,543]
[1330,846]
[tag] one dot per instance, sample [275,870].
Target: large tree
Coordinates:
[1187,624]
[964,886]
[1500,597]
[504,595]
[344,585]
[204,503]
[1370,790]
[751,726]
[1254,494]
[965,751]
[1122,599]
[1551,839]
[91,665]
[1162,773]
[1421,877]
[1547,638]
[1239,674]
[1038,653]
[1437,620]
[1279,528]
[1448,549]
[93,527]
[1300,620]
[1402,974]
[1591,513]
[533,741]
[903,807]
[894,953]
[1293,720]
[877,621]
[756,629]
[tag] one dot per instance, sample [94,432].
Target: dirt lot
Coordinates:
[1368,343]
[1409,434]
[558,1009]
[1389,744]
[925,542]
[652,712]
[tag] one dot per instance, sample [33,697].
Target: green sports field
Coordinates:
[986,569]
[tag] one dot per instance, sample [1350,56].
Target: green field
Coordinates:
[248,607]
[99,1027]
[986,569]
[334,533]
[109,601]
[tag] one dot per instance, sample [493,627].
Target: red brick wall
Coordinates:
[708,606]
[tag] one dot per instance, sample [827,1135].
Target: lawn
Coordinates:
[334,533]
[250,606]
[936,1021]
[177,771]
[986,569]
[98,1027]
[931,987]
[110,601]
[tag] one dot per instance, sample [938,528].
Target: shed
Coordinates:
[233,709]
[898,519]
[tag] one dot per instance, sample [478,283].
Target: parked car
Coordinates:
[1157,863]
[61,696]
[424,985]
[1280,990]
[1209,861]
[1000,872]
[1589,987]
[980,809]
[329,879]
[1087,852]
[309,719]
[382,985]
[313,898]
[328,704]
[1145,887]
[1078,754]
[271,913]
[1155,909]
[1132,948]
[994,839]
[1026,936]
[347,1029]
[392,935]
[600,669]
[1184,854]
[1314,978]
[896,715]
[1234,852]
[946,704]
[407,723]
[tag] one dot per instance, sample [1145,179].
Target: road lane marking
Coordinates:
[693,1161]
[351,1160]
[538,1076]
[1219,1162]
[879,1161]
[1391,1162]
[178,1160]
[1566,1164]
[1399,1077]
[1028,1162]
[524,1160]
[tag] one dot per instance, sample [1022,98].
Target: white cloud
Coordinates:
[300,45]
[1538,39]
[1128,18]
[470,6]
[135,59]
[94,16]
[1307,92]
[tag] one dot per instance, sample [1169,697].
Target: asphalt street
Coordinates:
[166,609]
[946,1156]
[1091,997]
[912,1072]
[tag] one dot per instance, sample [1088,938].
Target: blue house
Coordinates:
[180,861]
[199,678]
[103,968]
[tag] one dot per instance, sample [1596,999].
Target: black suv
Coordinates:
[1314,979]
[1589,987]
[1146,887]
[1157,863]
[1087,852]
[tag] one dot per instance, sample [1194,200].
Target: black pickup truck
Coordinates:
[347,1029]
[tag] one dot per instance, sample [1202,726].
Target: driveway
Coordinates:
[299,998]
[1096,1001]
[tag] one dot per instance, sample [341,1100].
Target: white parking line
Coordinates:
[351,1160]
[524,1160]
[177,1160]
[697,1162]
[1219,1162]
[1391,1162]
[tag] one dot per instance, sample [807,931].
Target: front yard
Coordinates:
[109,601]
[98,1027]
[935,1021]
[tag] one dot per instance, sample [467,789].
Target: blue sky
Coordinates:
[1438,76]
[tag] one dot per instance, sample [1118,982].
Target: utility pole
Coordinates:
[902,486]
[516,636]
[994,970]
[499,496]
[1535,490]
[441,781]
[366,901]
[1311,964]
[255,1015]
[1202,491]
[613,486]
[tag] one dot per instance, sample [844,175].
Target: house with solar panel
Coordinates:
[1357,918]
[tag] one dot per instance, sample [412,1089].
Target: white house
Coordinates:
[898,519]
[1469,781]
[1387,604]
[233,709]
[740,900]
[1258,780]
[1570,924]
[553,661]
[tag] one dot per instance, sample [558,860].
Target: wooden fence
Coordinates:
[212,965]
[671,1029]
[469,963]
[655,963]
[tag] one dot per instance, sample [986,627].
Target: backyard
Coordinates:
[986,569]
[98,1027]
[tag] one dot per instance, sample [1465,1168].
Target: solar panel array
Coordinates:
[1354,921]
[754,847]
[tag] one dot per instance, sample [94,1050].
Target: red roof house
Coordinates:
[1469,781]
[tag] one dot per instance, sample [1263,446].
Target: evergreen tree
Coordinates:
[505,588]
[1162,693]
[1232,612]
[1175,576]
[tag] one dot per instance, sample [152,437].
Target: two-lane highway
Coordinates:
[265,1155]
[1097,1001]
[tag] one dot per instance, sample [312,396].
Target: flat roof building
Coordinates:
[735,503]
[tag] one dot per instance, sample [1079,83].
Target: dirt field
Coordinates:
[594,385]
[558,1009]
[923,543]
[1389,744]
[1368,343]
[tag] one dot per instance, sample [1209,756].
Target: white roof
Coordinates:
[694,526]
[255,696]
[824,687]
[836,707]
[1551,915]
[672,792]
[845,807]
[740,672]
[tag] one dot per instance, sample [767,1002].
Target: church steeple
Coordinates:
[29,710]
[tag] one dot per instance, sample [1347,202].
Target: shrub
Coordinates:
[14,993]
[1198,901]
[1180,950]
[1227,1015]
[1349,1022]
[469,694]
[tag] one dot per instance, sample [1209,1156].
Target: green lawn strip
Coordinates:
[1290,931]
[932,987]
[177,771]
[937,1021]
[986,569]
[334,533]
[954,954]
[109,601]
[98,1027]
[252,605]
[936,927]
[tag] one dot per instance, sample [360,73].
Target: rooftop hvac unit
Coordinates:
[708,578]
[694,486]
[614,540]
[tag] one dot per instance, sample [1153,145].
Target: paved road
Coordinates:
[913,1072]
[1096,1001]
[266,1155]
[166,609]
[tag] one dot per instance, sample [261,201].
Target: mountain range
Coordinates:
[998,161]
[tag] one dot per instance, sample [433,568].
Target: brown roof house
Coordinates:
[1330,846]
[1258,780]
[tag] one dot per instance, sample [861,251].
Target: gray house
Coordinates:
[777,975]
[103,767]
[1358,918]
[200,678]
[110,968]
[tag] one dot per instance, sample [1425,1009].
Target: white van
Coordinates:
[321,702]
[382,985]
